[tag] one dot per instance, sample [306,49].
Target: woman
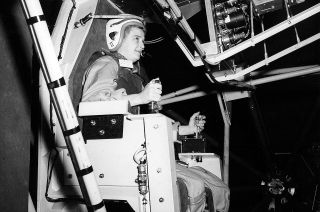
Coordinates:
[116,75]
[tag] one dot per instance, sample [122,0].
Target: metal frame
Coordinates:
[225,99]
[237,74]
[214,59]
[273,75]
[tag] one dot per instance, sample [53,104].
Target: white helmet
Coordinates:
[115,30]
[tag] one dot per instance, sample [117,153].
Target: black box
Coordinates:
[193,145]
[103,127]
[265,6]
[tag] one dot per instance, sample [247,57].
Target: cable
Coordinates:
[142,158]
[157,40]
[49,177]
[50,169]
[66,29]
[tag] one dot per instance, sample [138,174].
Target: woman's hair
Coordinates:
[129,27]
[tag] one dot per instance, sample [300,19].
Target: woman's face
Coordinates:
[132,44]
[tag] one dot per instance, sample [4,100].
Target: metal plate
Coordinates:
[103,127]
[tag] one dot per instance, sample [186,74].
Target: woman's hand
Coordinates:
[196,125]
[152,92]
[197,122]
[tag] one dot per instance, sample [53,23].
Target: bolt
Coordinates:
[283,200]
[113,121]
[93,123]
[101,132]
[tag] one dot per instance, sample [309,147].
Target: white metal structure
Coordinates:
[63,105]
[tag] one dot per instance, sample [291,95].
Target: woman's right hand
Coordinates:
[152,92]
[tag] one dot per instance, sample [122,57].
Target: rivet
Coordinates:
[113,121]
[93,122]
[161,199]
[101,175]
[158,170]
[101,132]
[156,126]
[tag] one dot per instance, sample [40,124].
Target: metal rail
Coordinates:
[62,104]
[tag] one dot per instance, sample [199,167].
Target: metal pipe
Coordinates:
[287,8]
[281,74]
[183,98]
[226,153]
[251,19]
[284,76]
[62,104]
[179,92]
[281,70]
[264,44]
[270,59]
[226,139]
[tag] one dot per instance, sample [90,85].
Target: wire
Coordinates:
[66,29]
[142,158]
[50,169]
[49,177]
[122,15]
[157,40]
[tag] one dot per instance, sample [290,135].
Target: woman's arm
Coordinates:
[100,83]
[196,125]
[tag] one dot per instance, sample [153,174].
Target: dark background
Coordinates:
[289,109]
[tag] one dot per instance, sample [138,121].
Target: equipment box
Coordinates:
[265,6]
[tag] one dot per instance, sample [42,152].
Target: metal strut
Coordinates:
[62,104]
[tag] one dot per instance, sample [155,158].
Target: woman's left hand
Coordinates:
[197,122]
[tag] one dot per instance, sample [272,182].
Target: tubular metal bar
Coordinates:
[285,76]
[264,43]
[62,103]
[264,73]
[226,142]
[176,13]
[251,19]
[179,92]
[270,59]
[184,24]
[281,74]
[182,98]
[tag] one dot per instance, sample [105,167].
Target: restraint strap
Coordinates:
[35,19]
[72,131]
[93,208]
[57,83]
[85,171]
